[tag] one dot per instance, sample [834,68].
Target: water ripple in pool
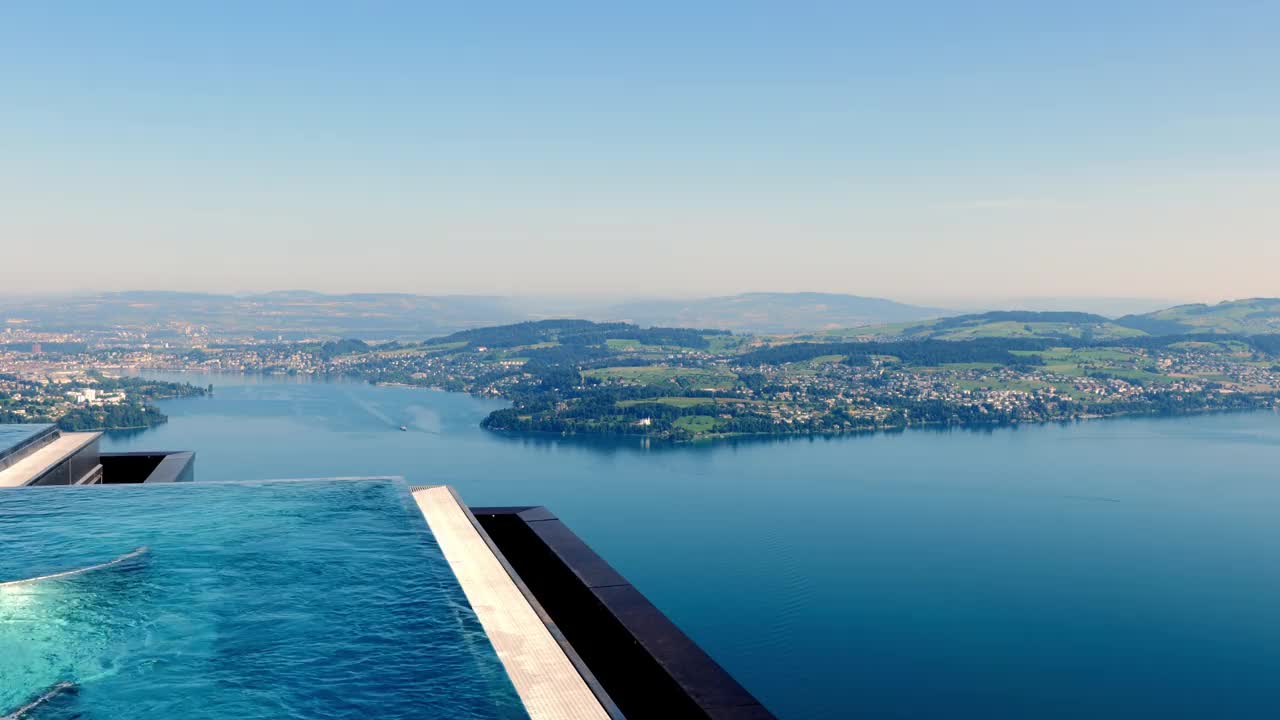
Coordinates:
[264,600]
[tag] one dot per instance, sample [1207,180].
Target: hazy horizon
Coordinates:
[967,301]
[571,303]
[935,155]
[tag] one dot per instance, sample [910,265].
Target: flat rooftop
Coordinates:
[33,465]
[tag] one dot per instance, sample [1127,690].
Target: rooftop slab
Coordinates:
[46,458]
[548,682]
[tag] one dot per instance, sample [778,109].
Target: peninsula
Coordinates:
[618,378]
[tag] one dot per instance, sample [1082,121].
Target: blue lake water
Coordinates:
[1116,568]
[12,435]
[252,601]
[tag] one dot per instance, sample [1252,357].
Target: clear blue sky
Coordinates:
[911,150]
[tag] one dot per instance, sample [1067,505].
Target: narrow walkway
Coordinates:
[545,679]
[41,461]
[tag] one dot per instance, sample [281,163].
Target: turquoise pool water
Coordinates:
[324,599]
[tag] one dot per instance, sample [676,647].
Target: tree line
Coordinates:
[577,333]
[911,352]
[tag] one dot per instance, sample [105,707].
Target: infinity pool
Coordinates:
[316,599]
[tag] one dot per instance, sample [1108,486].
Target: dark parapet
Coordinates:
[36,437]
[126,468]
[646,664]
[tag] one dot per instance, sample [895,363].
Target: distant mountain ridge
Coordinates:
[292,314]
[304,313]
[762,312]
[298,314]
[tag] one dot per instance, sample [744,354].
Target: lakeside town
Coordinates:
[615,378]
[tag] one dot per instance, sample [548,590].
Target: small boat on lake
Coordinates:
[404,429]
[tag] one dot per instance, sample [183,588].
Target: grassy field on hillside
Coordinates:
[685,402]
[699,423]
[662,375]
[680,402]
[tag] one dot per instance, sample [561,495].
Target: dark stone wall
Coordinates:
[128,468]
[72,468]
[647,665]
[152,467]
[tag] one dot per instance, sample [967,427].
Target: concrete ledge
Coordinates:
[160,466]
[30,468]
[175,467]
[550,684]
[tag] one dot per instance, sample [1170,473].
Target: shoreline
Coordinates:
[886,430]
[714,437]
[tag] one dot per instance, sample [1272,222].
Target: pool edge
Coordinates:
[550,678]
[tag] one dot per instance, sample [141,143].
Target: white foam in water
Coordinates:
[44,697]
[77,571]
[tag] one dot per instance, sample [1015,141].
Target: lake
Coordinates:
[1113,568]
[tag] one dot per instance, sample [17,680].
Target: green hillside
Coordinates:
[771,312]
[1003,324]
[1258,316]
[1242,317]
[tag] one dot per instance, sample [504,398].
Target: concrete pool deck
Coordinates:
[549,682]
[40,461]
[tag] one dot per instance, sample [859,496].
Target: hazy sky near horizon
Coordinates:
[909,150]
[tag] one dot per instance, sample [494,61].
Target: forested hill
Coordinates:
[1001,350]
[1247,317]
[1026,316]
[1003,324]
[577,332]
[1259,316]
[773,312]
[913,352]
